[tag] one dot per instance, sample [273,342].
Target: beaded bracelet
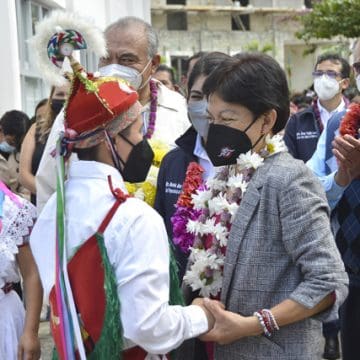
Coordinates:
[271,316]
[267,321]
[262,323]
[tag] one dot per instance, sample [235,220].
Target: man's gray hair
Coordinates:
[128,21]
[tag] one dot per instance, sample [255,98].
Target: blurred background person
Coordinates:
[165,75]
[35,139]
[189,66]
[13,127]
[331,77]
[189,148]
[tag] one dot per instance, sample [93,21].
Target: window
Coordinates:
[176,20]
[175,2]
[308,4]
[33,88]
[240,22]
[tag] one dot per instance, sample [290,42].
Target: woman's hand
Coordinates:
[29,347]
[229,326]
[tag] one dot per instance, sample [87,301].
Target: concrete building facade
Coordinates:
[188,26]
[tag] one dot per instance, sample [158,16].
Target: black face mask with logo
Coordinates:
[138,163]
[224,144]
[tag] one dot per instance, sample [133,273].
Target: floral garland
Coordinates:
[153,108]
[185,208]
[210,214]
[350,124]
[146,190]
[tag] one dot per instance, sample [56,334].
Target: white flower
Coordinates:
[233,207]
[208,227]
[275,144]
[194,227]
[200,199]
[237,182]
[215,287]
[221,234]
[216,184]
[218,204]
[202,262]
[249,160]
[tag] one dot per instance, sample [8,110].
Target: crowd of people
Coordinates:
[252,247]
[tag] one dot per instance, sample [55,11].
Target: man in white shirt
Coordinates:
[111,150]
[132,55]
[331,77]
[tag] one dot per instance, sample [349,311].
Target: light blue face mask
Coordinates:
[198,117]
[131,75]
[6,148]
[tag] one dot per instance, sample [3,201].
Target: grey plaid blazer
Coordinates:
[280,247]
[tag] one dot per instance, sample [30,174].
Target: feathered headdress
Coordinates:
[57,36]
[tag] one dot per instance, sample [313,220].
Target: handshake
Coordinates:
[225,326]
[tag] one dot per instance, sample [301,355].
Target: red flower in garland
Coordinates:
[350,123]
[193,180]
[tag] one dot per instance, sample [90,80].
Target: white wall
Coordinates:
[107,11]
[9,60]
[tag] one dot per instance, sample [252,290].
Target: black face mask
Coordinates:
[57,105]
[224,144]
[138,163]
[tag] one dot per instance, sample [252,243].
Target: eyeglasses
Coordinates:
[330,73]
[356,67]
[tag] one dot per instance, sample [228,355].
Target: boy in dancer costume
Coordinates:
[103,257]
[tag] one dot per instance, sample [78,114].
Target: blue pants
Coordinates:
[331,328]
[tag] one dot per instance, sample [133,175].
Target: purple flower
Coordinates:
[181,237]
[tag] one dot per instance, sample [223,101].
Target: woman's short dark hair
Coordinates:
[255,81]
[205,65]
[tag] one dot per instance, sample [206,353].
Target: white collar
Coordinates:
[166,98]
[323,111]
[199,149]
[88,170]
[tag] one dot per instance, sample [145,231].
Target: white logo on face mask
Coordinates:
[131,75]
[226,152]
[326,88]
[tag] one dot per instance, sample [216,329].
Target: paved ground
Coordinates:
[46,341]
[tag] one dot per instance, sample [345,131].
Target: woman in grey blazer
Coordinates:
[282,272]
